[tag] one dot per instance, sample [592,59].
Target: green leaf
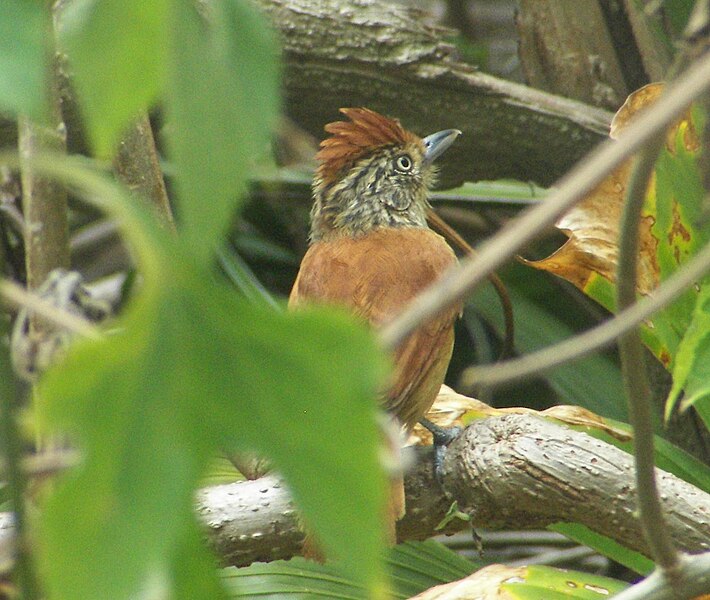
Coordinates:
[691,374]
[677,209]
[560,584]
[117,52]
[606,546]
[593,382]
[413,567]
[220,470]
[244,279]
[194,571]
[498,192]
[196,370]
[22,57]
[222,105]
[191,370]
[702,406]
[675,460]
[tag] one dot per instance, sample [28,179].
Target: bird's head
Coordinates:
[373,173]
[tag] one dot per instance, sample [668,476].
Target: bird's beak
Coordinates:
[436,143]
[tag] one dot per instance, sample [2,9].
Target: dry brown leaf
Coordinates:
[644,98]
[484,584]
[452,409]
[576,415]
[592,226]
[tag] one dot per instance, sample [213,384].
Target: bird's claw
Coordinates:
[442,437]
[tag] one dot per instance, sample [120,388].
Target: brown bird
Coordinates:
[371,249]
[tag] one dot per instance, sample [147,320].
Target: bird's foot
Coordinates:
[442,437]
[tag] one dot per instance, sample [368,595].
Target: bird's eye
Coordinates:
[404,163]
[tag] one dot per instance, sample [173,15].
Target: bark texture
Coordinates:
[339,53]
[511,472]
[137,165]
[520,469]
[367,53]
[566,48]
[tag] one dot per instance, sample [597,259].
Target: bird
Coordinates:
[372,251]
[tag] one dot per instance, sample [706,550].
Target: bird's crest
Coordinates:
[351,140]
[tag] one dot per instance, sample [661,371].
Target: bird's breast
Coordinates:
[375,274]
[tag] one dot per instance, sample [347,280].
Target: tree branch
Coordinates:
[385,57]
[137,166]
[44,200]
[690,581]
[509,472]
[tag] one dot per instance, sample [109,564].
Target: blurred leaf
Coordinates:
[498,582]
[117,51]
[413,567]
[194,569]
[195,371]
[702,406]
[256,247]
[677,13]
[22,57]
[192,370]
[497,192]
[222,105]
[220,470]
[605,546]
[244,279]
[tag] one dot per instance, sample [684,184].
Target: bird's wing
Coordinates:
[375,276]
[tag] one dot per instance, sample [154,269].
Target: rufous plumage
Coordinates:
[371,250]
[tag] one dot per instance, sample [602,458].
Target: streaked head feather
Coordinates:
[351,140]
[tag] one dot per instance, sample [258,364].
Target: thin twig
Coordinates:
[595,339]
[692,580]
[572,188]
[18,296]
[45,463]
[633,365]
[137,166]
[454,237]
[11,450]
[44,199]
[631,350]
[50,462]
